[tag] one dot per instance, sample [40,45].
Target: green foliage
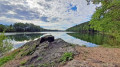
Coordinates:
[39,58]
[84,27]
[27,50]
[5,44]
[2,27]
[23,62]
[47,64]
[32,65]
[107,18]
[93,38]
[66,57]
[27,53]
[110,46]
[97,38]
[43,65]
[21,27]
[18,53]
[7,58]
[95,1]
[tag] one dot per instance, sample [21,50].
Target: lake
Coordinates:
[88,39]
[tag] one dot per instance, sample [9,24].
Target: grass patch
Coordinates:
[47,65]
[23,62]
[22,66]
[27,50]
[26,53]
[32,65]
[109,46]
[66,57]
[43,65]
[39,58]
[8,57]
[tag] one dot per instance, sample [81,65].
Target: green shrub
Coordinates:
[66,57]
[5,44]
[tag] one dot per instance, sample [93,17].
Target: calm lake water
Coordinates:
[90,40]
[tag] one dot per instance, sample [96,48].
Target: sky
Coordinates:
[49,14]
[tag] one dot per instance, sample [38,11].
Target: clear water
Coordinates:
[90,40]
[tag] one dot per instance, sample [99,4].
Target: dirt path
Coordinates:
[96,57]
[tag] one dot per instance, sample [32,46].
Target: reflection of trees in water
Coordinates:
[96,38]
[23,37]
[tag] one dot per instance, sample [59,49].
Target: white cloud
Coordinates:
[52,14]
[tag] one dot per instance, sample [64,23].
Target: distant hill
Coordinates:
[84,27]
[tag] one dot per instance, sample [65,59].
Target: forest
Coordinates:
[106,19]
[84,27]
[21,27]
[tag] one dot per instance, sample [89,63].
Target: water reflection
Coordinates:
[19,39]
[23,37]
[90,40]
[70,39]
[98,39]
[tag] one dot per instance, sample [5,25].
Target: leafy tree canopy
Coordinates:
[107,17]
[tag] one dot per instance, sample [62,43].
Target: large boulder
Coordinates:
[44,52]
[48,38]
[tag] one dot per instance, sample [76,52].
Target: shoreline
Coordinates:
[42,53]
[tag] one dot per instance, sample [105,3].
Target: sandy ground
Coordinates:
[96,57]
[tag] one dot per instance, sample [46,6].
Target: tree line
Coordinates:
[84,27]
[21,27]
[106,19]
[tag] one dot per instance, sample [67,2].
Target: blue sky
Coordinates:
[49,14]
